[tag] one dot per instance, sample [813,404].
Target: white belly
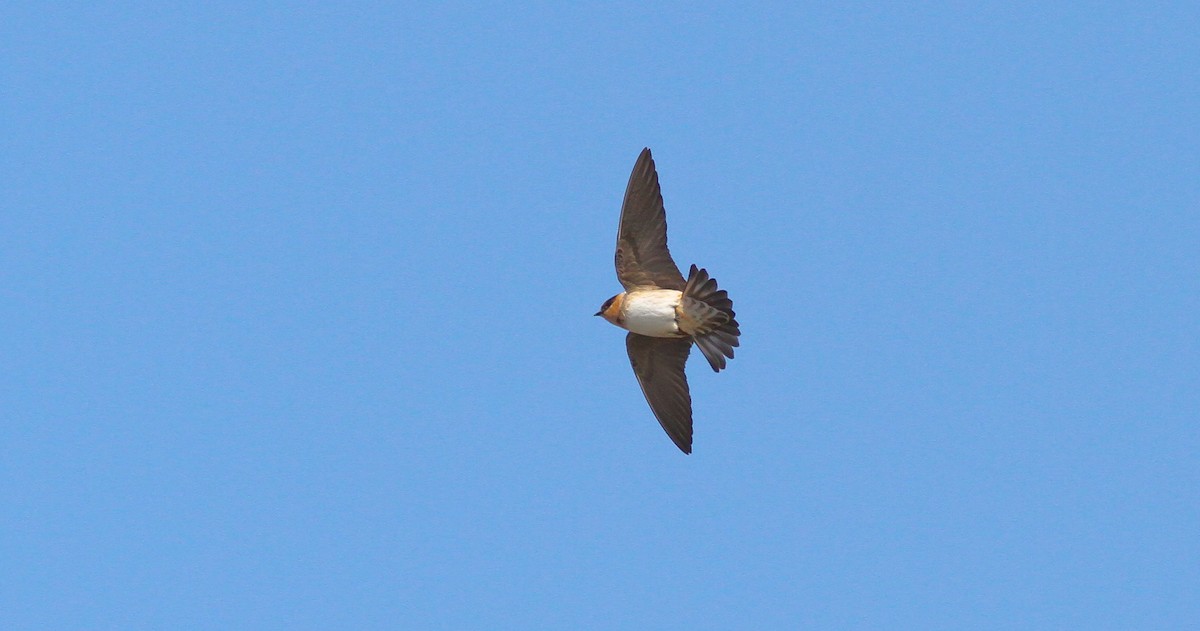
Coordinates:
[652,312]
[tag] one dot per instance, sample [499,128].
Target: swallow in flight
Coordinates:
[664,313]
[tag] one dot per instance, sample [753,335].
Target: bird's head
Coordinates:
[611,309]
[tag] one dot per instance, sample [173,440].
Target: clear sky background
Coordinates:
[297,316]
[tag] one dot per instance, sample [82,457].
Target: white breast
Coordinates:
[652,312]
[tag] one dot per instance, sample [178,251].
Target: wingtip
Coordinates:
[683,441]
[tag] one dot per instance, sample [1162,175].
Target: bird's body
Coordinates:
[664,313]
[650,312]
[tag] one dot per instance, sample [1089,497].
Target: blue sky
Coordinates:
[297,306]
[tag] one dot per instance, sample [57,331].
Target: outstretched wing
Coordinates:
[642,257]
[658,363]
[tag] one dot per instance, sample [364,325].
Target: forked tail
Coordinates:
[711,318]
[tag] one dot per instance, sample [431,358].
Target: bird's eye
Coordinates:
[607,304]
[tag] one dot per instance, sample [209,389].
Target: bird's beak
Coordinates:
[598,313]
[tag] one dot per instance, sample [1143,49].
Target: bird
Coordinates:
[664,313]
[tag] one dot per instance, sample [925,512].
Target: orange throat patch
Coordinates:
[613,312]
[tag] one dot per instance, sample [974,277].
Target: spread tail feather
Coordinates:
[715,330]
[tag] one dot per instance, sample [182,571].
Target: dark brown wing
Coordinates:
[658,363]
[642,256]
